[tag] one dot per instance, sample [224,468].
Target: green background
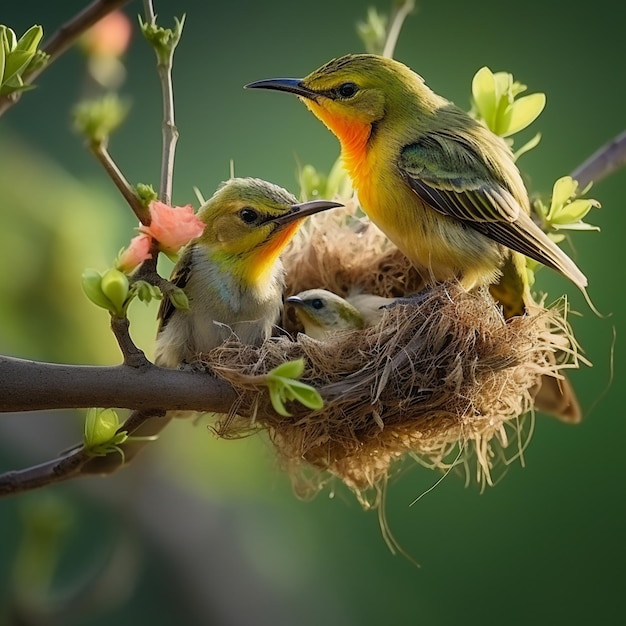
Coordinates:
[201,531]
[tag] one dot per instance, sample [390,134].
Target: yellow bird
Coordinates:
[233,278]
[232,274]
[437,182]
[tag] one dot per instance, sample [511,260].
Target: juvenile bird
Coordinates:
[437,182]
[322,312]
[232,274]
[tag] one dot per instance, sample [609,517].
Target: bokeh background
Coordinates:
[202,531]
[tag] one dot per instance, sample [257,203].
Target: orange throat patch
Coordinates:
[260,263]
[353,135]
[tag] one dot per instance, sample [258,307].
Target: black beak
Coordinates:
[302,210]
[290,85]
[295,300]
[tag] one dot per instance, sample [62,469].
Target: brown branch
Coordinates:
[602,163]
[63,38]
[35,386]
[133,356]
[101,152]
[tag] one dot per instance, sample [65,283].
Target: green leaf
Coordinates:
[3,54]
[305,394]
[29,41]
[574,211]
[576,226]
[564,189]
[523,112]
[290,369]
[484,95]
[529,145]
[145,291]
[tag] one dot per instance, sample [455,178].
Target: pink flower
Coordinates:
[109,37]
[172,227]
[137,252]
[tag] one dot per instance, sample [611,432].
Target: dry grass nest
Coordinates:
[442,380]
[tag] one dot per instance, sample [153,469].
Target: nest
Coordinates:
[441,380]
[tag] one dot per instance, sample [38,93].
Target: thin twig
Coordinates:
[395,27]
[100,151]
[142,427]
[63,38]
[605,161]
[168,128]
[62,468]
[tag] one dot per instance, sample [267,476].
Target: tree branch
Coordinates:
[605,161]
[35,386]
[100,151]
[63,38]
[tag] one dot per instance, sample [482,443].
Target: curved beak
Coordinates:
[290,85]
[302,210]
[295,300]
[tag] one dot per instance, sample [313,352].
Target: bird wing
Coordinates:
[179,278]
[450,175]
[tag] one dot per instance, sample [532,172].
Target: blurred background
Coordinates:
[202,531]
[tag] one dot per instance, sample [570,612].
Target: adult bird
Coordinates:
[234,280]
[437,182]
[232,274]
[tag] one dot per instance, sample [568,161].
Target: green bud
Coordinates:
[100,427]
[163,40]
[145,193]
[97,119]
[373,31]
[145,291]
[178,298]
[92,286]
[115,287]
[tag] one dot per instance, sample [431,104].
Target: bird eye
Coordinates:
[347,90]
[317,303]
[248,215]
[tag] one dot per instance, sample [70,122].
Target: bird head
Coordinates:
[321,312]
[250,221]
[352,93]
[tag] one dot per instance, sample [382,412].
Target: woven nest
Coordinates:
[439,380]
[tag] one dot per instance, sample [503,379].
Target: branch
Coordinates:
[99,149]
[401,13]
[63,38]
[605,161]
[35,386]
[165,58]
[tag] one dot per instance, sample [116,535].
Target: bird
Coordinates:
[440,185]
[233,278]
[232,274]
[322,312]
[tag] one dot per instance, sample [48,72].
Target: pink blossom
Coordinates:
[172,227]
[137,252]
[109,37]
